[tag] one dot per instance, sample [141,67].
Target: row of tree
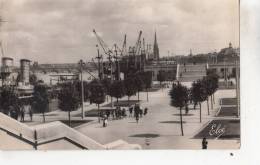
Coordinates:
[69,93]
[200,91]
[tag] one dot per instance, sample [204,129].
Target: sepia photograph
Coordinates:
[120,75]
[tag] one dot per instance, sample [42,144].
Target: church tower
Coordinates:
[156,54]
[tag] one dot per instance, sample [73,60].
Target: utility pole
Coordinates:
[111,74]
[81,64]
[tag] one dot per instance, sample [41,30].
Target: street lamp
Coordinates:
[81,65]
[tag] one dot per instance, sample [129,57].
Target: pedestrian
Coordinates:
[141,112]
[204,143]
[130,111]
[145,111]
[22,114]
[123,112]
[137,118]
[106,121]
[107,113]
[104,124]
[30,113]
[12,112]
[186,109]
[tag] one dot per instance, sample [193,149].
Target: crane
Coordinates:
[103,44]
[137,44]
[137,47]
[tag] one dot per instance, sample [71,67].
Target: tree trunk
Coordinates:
[211,100]
[117,101]
[99,114]
[128,100]
[208,104]
[138,95]
[181,122]
[69,119]
[43,115]
[200,111]
[147,95]
[112,105]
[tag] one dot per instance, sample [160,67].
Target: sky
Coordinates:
[60,31]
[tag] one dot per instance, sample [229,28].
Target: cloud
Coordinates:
[61,30]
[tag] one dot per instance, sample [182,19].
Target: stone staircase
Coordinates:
[190,73]
[50,136]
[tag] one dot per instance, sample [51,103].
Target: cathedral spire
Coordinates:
[155,48]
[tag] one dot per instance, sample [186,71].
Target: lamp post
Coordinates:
[81,64]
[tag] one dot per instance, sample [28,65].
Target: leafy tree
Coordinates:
[206,82]
[97,92]
[40,99]
[8,98]
[117,89]
[179,97]
[147,79]
[139,84]
[68,98]
[107,85]
[161,77]
[214,80]
[33,79]
[199,93]
[130,88]
[86,90]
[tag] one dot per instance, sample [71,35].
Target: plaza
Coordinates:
[159,129]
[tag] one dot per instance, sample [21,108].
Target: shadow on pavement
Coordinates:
[172,122]
[146,135]
[177,114]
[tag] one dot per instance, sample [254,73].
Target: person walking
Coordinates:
[145,111]
[130,111]
[104,124]
[204,143]
[30,113]
[22,113]
[137,118]
[106,121]
[141,112]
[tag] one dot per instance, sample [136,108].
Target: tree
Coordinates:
[33,79]
[161,77]
[214,80]
[179,97]
[147,79]
[40,99]
[198,93]
[130,88]
[68,98]
[139,84]
[8,98]
[206,82]
[117,89]
[107,85]
[86,89]
[97,92]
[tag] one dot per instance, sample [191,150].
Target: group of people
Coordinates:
[21,111]
[119,113]
[138,112]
